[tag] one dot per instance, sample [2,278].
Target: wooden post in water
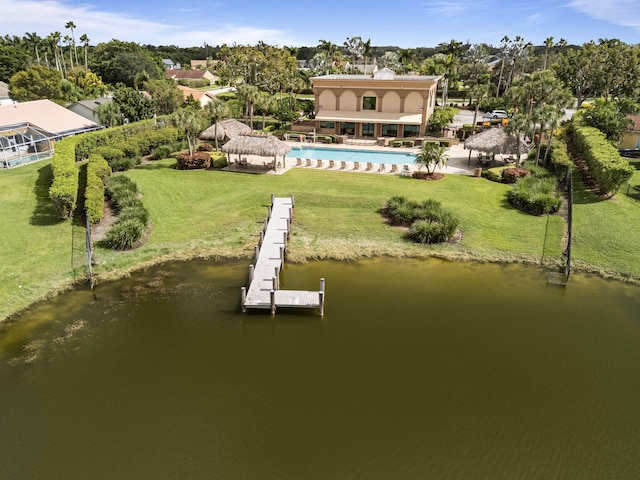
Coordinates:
[251,272]
[274,281]
[261,238]
[282,254]
[243,291]
[277,271]
[273,302]
[284,239]
[256,252]
[321,295]
[288,225]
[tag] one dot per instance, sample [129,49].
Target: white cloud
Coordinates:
[46,16]
[619,12]
[446,8]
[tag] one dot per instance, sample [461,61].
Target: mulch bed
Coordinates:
[427,176]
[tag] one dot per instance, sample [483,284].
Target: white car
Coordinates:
[495,114]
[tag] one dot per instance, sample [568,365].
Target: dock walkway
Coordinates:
[264,277]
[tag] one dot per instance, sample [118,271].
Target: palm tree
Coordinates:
[505,49]
[548,43]
[405,57]
[67,39]
[517,124]
[249,94]
[330,50]
[54,40]
[187,120]
[266,103]
[85,41]
[109,114]
[366,53]
[215,110]
[34,41]
[70,25]
[431,156]
[478,92]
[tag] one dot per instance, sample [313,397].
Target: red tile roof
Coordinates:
[635,126]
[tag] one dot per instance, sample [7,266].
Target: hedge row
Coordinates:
[608,169]
[134,140]
[64,188]
[98,173]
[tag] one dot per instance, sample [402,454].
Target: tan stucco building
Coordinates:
[371,106]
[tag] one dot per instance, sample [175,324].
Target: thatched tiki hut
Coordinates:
[496,141]
[259,145]
[225,130]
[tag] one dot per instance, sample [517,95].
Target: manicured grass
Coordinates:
[337,215]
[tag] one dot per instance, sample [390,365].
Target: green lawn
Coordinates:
[215,213]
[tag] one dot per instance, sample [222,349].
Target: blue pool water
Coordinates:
[362,156]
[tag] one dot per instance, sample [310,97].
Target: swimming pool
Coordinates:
[348,155]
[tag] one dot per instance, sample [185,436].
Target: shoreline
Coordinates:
[302,257]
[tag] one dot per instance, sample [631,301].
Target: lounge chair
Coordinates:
[382,168]
[356,166]
[394,168]
[308,160]
[343,165]
[319,163]
[331,164]
[298,162]
[405,171]
[369,167]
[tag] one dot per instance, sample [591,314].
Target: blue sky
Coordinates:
[295,23]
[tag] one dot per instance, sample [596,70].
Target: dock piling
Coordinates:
[243,291]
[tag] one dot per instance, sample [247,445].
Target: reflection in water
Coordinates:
[419,369]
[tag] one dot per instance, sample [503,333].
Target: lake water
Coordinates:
[352,155]
[419,369]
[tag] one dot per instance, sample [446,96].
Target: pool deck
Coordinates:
[458,162]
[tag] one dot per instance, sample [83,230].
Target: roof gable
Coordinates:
[46,115]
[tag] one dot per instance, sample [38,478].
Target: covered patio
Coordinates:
[496,141]
[251,151]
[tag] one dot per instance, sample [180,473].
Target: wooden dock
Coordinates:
[264,276]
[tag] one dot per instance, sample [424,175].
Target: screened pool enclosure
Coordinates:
[24,143]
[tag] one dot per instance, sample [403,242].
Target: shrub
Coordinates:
[205,147]
[110,154]
[136,211]
[559,161]
[125,234]
[64,188]
[607,168]
[163,151]
[130,148]
[98,172]
[429,222]
[434,231]
[219,160]
[494,174]
[535,195]
[195,161]
[513,174]
[123,164]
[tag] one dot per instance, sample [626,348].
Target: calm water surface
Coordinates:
[419,369]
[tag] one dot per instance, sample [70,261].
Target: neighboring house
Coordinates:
[631,138]
[4,94]
[28,130]
[199,95]
[88,108]
[169,65]
[368,69]
[203,64]
[380,105]
[191,75]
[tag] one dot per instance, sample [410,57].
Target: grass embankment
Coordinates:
[213,213]
[605,231]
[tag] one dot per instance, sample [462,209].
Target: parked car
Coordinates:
[495,114]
